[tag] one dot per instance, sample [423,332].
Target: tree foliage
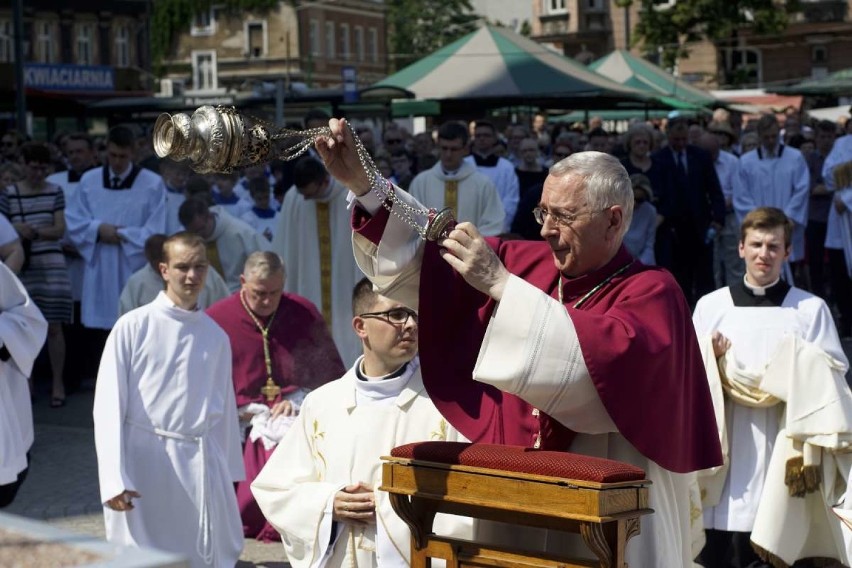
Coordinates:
[170,17]
[667,30]
[417,28]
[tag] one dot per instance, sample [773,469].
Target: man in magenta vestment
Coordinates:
[567,344]
[282,349]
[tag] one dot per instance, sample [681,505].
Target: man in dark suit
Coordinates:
[693,211]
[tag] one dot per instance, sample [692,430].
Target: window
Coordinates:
[330,47]
[44,43]
[359,43]
[314,38]
[373,45]
[555,7]
[7,46]
[742,66]
[819,54]
[595,5]
[85,40]
[203,23]
[255,38]
[122,45]
[344,41]
[204,72]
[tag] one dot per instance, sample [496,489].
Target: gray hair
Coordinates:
[638,129]
[606,181]
[262,265]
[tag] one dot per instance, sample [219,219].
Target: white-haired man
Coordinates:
[564,338]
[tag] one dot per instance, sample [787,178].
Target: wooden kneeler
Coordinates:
[600,499]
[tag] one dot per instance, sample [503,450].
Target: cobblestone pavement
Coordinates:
[62,485]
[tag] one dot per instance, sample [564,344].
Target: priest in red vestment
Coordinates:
[566,344]
[282,349]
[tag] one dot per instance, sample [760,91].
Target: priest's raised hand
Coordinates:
[467,252]
[340,155]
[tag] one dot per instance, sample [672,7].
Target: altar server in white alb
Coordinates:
[114,211]
[775,175]
[22,333]
[319,487]
[455,183]
[773,358]
[166,428]
[315,243]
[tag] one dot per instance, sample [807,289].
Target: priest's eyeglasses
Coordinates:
[560,219]
[395,316]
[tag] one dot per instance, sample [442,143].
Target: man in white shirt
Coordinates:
[113,212]
[318,489]
[499,170]
[166,427]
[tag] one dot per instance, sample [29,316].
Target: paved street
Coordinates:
[62,487]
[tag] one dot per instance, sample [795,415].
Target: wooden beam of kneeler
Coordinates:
[605,515]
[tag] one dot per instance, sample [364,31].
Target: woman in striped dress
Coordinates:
[37,211]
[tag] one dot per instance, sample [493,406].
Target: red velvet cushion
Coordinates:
[521,460]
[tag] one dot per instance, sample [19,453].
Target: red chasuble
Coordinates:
[635,333]
[302,350]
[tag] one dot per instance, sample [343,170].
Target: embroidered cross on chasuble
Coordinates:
[451,195]
[324,239]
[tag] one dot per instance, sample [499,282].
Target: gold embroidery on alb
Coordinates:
[451,195]
[324,236]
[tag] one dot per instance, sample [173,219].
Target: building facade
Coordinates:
[73,54]
[302,43]
[817,42]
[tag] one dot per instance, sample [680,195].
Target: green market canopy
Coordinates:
[495,67]
[631,71]
[838,84]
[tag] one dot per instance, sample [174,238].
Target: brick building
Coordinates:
[307,43]
[817,42]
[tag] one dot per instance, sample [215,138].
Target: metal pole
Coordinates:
[20,88]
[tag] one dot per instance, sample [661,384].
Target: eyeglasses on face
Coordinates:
[560,219]
[395,316]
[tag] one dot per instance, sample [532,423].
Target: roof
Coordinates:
[629,70]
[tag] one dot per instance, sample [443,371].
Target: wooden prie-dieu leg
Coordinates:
[419,515]
[609,540]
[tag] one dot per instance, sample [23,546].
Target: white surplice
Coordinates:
[297,241]
[235,241]
[507,362]
[22,332]
[506,181]
[478,200]
[755,334]
[146,284]
[139,212]
[344,427]
[839,230]
[782,181]
[166,426]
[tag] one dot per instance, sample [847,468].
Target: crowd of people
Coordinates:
[597,295]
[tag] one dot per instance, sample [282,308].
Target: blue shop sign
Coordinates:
[47,77]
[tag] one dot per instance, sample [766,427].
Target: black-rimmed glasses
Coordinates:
[395,316]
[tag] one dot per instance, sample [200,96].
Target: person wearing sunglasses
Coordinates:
[565,344]
[318,488]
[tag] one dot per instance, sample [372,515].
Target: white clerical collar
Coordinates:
[382,388]
[759,290]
